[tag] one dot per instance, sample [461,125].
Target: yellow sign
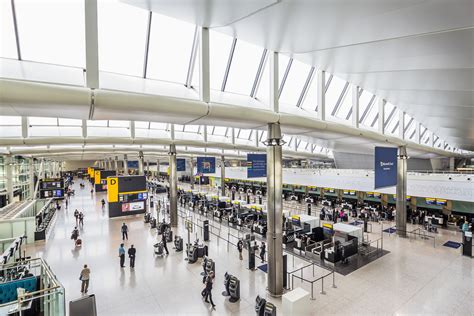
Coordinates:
[112,189]
[97,177]
[295,217]
[326,225]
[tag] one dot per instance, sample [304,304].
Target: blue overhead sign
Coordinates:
[256,165]
[206,164]
[132,164]
[385,167]
[180,164]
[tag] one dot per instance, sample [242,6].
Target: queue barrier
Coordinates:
[294,274]
[414,233]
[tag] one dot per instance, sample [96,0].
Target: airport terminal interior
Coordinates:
[237,157]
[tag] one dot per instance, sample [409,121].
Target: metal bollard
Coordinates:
[333,281]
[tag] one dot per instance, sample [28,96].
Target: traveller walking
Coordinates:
[262,252]
[131,254]
[81,219]
[240,247]
[76,215]
[84,277]
[164,241]
[103,203]
[122,255]
[209,282]
[124,231]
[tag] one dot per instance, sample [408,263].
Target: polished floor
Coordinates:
[417,277]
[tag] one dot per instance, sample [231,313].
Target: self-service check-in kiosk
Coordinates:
[100,179]
[467,244]
[126,195]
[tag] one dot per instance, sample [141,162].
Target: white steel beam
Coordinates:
[401,124]
[24,127]
[132,129]
[321,92]
[204,66]
[355,106]
[381,114]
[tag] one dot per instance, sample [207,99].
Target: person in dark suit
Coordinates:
[164,241]
[132,251]
[209,282]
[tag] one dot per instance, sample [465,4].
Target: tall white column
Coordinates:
[274,211]
[9,177]
[140,163]
[401,214]
[31,171]
[222,175]
[125,165]
[92,44]
[116,164]
[274,81]
[173,187]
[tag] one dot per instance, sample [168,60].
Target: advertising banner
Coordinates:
[256,165]
[385,167]
[206,164]
[133,206]
[180,164]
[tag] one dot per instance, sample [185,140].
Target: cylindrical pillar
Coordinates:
[9,178]
[222,175]
[173,187]
[157,168]
[401,214]
[147,167]
[275,211]
[116,164]
[191,170]
[125,164]
[140,163]
[31,172]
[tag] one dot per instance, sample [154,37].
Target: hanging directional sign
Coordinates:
[385,167]
[206,164]
[256,165]
[180,164]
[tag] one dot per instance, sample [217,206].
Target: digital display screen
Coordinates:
[51,185]
[352,192]
[346,192]
[441,202]
[407,197]
[430,201]
[133,197]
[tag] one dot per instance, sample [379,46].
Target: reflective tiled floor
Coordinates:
[414,278]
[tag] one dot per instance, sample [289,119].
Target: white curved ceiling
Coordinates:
[417,54]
